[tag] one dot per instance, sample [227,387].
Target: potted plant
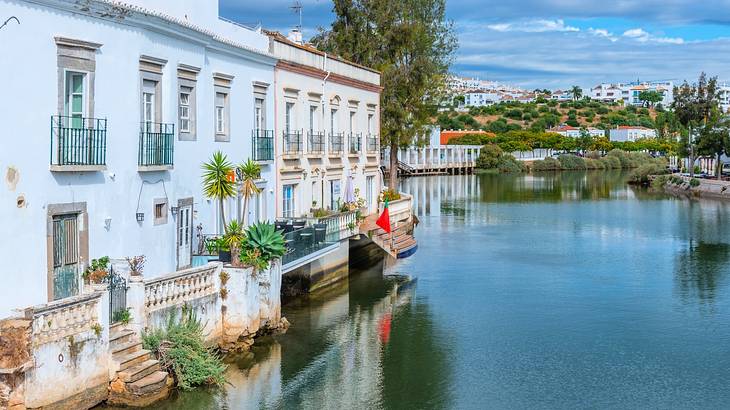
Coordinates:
[224,251]
[233,238]
[136,265]
[97,271]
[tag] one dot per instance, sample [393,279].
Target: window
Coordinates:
[184,110]
[75,98]
[65,256]
[288,201]
[334,194]
[160,211]
[220,113]
[312,117]
[352,121]
[333,121]
[258,114]
[370,123]
[369,182]
[289,112]
[148,101]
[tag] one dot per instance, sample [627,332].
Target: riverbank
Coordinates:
[686,187]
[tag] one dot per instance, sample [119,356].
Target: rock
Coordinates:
[117,386]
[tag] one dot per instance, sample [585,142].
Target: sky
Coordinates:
[557,43]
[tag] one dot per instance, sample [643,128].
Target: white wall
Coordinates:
[29,53]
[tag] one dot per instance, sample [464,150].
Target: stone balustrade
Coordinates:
[180,287]
[63,318]
[341,226]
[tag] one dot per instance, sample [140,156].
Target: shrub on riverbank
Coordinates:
[640,176]
[492,157]
[181,349]
[611,162]
[547,164]
[571,162]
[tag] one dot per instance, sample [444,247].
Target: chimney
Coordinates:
[295,35]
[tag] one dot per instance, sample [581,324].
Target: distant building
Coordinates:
[631,133]
[724,97]
[629,93]
[447,135]
[480,98]
[560,95]
[575,132]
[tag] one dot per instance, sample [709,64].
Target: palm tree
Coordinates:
[216,181]
[250,172]
[577,92]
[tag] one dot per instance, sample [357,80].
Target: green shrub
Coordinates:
[489,156]
[181,349]
[611,162]
[262,245]
[389,195]
[592,163]
[571,162]
[508,164]
[547,164]
[641,174]
[694,182]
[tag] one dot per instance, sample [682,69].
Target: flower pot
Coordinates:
[224,256]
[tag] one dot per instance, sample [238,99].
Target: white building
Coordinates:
[628,93]
[481,98]
[327,118]
[724,91]
[575,132]
[631,133]
[119,108]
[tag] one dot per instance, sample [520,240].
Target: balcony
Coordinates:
[315,142]
[292,143]
[355,143]
[309,239]
[372,144]
[156,146]
[78,144]
[337,143]
[262,142]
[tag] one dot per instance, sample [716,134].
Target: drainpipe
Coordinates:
[277,190]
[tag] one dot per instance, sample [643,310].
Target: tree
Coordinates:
[217,183]
[412,44]
[249,172]
[693,105]
[576,92]
[715,140]
[650,97]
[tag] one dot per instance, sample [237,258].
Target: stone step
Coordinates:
[122,349]
[139,371]
[121,336]
[148,384]
[132,359]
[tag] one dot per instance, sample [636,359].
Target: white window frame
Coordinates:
[185,118]
[258,113]
[220,113]
[149,104]
[288,201]
[289,107]
[334,126]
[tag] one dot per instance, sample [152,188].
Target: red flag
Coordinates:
[384,219]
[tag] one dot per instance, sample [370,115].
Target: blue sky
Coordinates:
[558,43]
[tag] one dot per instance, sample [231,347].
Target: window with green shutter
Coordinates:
[75,98]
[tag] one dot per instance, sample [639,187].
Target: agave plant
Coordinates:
[266,240]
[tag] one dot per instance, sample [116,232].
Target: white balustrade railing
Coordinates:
[179,287]
[63,318]
[341,226]
[399,210]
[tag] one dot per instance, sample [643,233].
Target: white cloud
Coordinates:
[641,35]
[600,32]
[533,26]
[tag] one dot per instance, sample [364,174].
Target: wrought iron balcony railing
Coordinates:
[263,145]
[337,143]
[78,141]
[355,143]
[315,142]
[372,143]
[156,144]
[292,142]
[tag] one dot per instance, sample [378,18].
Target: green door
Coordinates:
[65,256]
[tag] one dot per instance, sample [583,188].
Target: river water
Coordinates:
[568,290]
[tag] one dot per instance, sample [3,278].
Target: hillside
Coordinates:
[544,114]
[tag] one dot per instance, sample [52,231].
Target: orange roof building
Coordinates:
[447,135]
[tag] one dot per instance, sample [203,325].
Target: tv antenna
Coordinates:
[297,9]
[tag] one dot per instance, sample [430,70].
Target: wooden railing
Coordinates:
[179,287]
[63,318]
